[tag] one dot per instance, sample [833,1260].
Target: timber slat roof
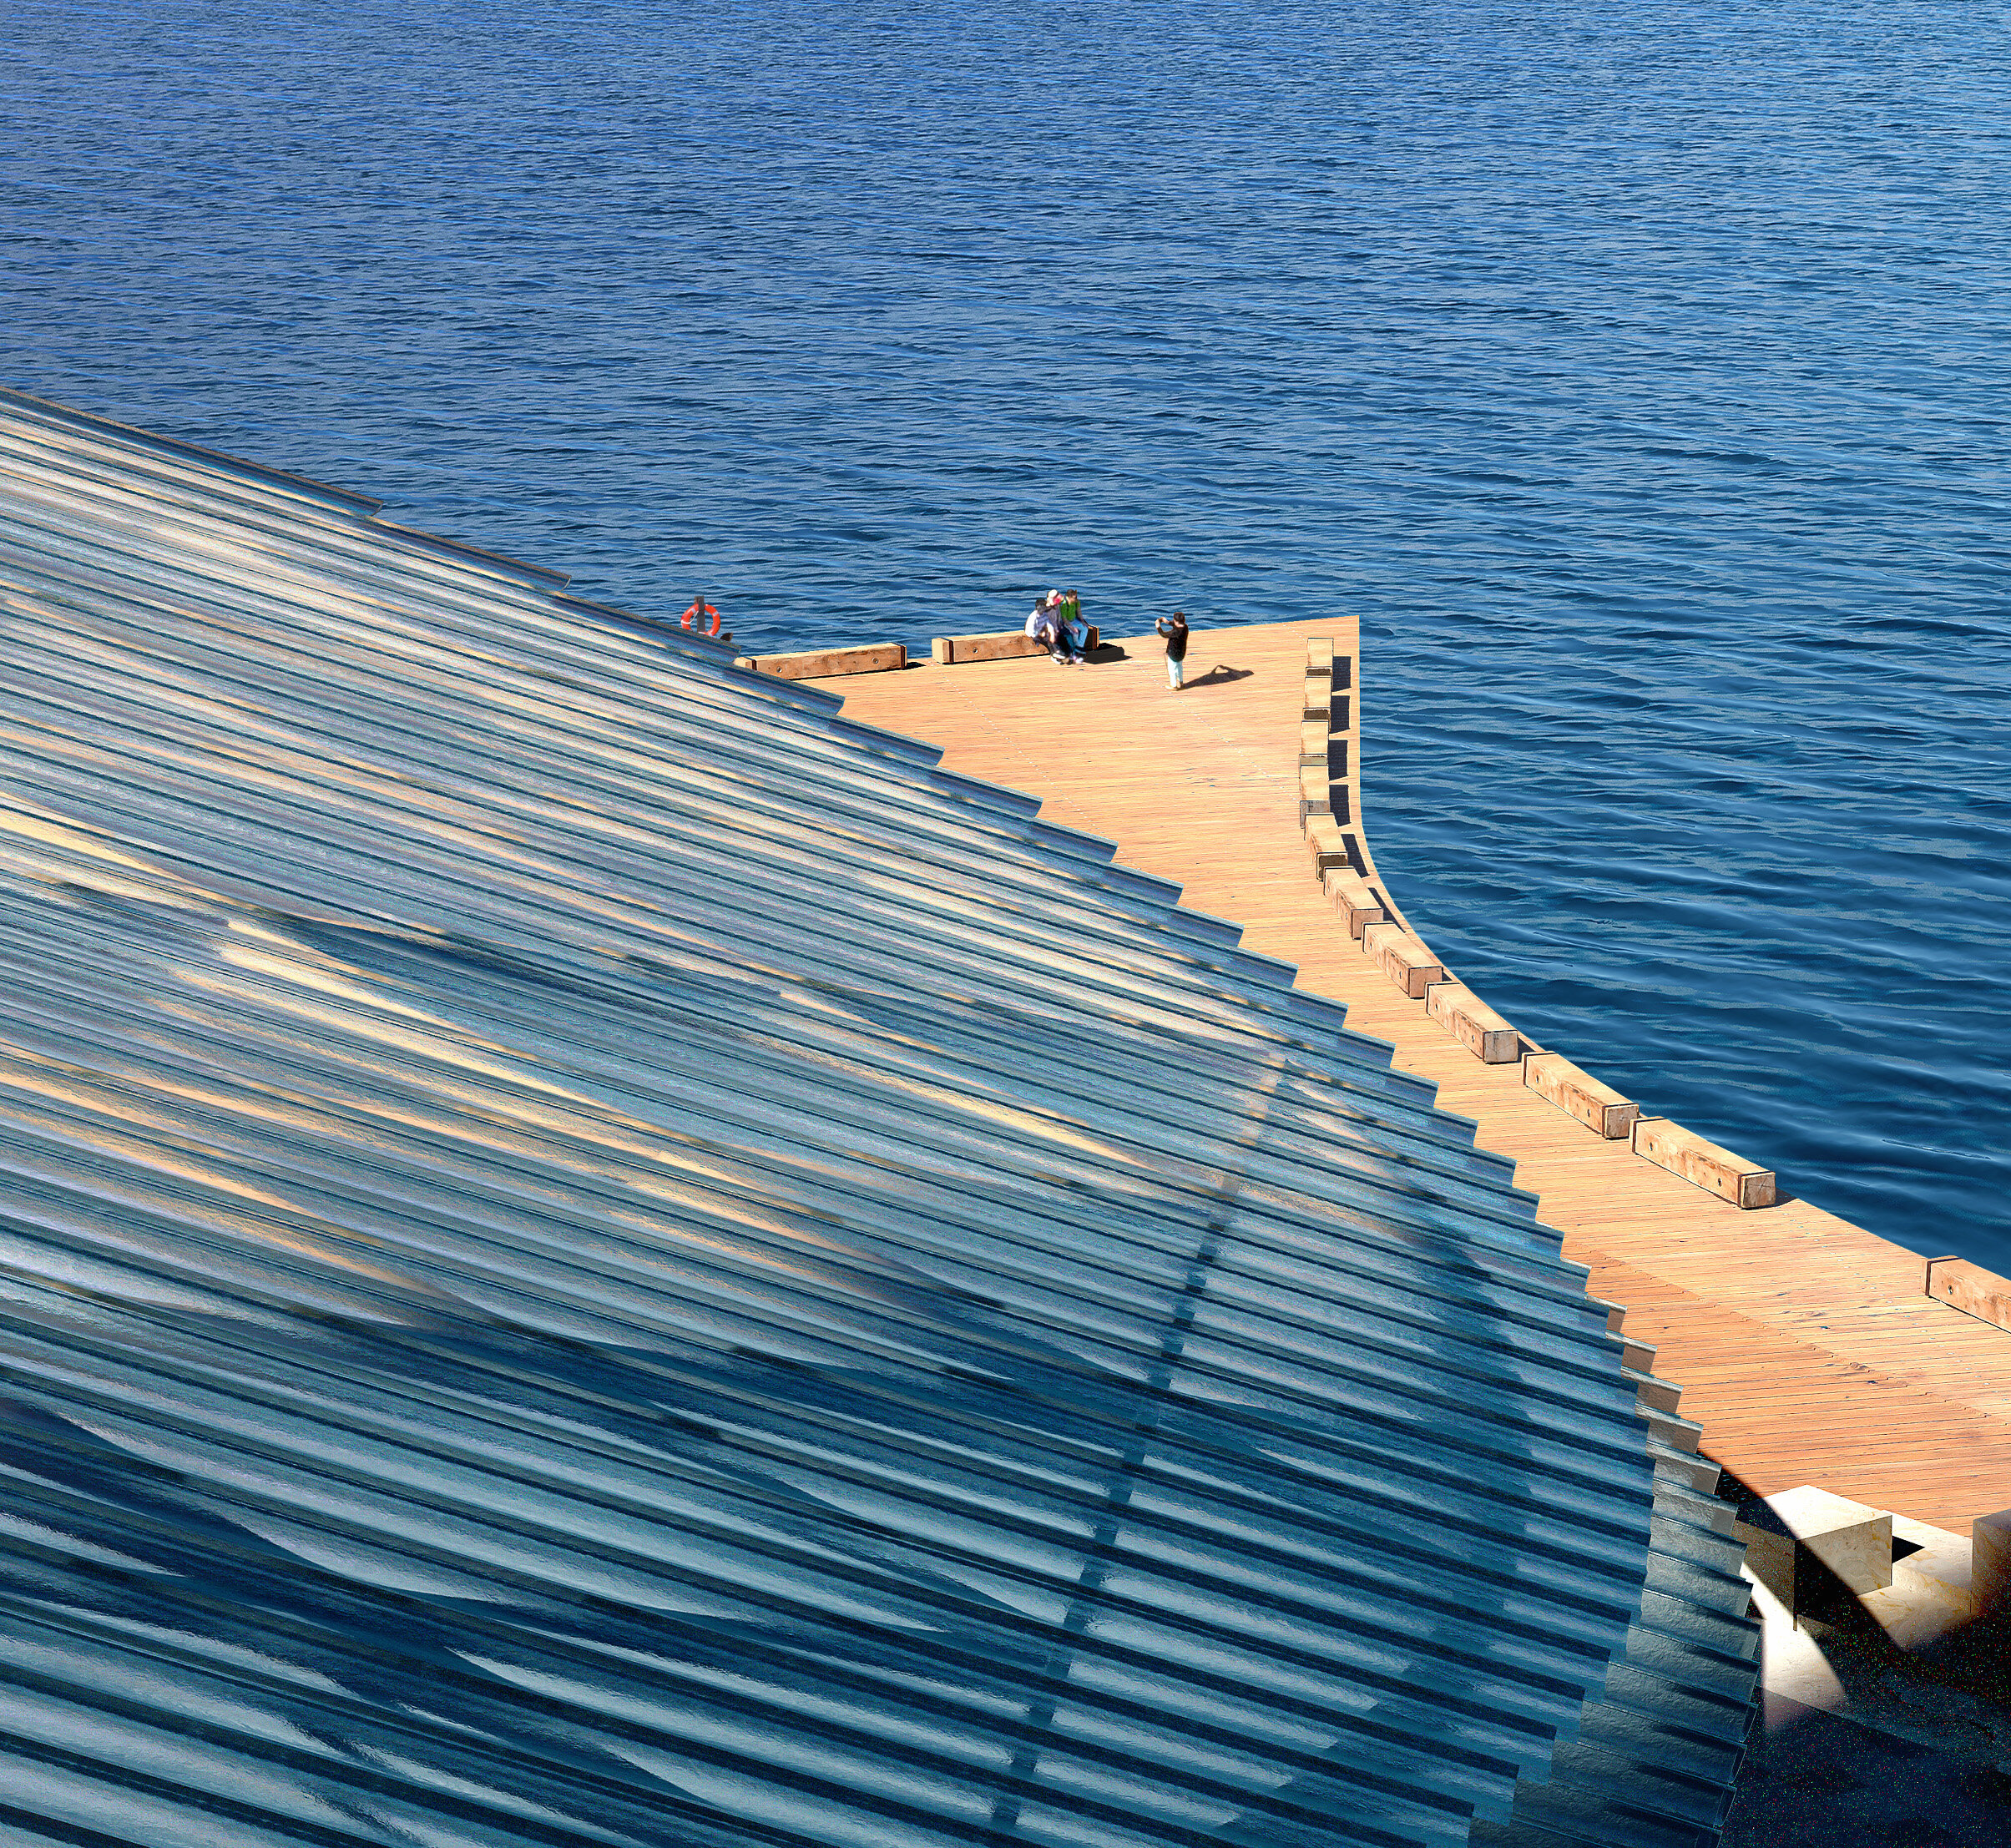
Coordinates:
[591,1251]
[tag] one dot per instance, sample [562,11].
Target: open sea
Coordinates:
[1640,374]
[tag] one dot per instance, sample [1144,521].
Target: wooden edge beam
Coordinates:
[1703,1164]
[827,664]
[1971,1288]
[1406,959]
[1472,1022]
[1601,1107]
[1350,895]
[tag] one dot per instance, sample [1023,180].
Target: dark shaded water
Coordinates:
[1638,374]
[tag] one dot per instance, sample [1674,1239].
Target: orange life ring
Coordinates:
[698,612]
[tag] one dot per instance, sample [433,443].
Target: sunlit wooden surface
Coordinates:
[1806,1347]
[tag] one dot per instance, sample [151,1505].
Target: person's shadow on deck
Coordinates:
[1220,675]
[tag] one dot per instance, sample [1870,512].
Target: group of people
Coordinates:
[1057,624]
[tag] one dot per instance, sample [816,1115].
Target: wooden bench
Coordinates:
[1325,843]
[1007,644]
[1350,895]
[824,663]
[1601,1107]
[1704,1163]
[1472,1022]
[1318,707]
[1797,1543]
[1970,1288]
[1406,960]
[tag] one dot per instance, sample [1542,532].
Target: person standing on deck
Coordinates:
[1174,627]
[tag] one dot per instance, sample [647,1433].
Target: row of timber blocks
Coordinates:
[830,664]
[1329,806]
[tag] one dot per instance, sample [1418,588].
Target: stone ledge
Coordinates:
[1797,1541]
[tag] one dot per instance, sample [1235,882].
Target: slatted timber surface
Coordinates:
[1808,1347]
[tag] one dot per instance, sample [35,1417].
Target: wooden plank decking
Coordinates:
[1808,1347]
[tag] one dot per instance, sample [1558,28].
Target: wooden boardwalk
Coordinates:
[1806,1347]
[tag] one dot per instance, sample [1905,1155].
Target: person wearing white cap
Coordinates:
[1044,625]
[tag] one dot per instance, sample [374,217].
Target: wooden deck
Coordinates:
[1806,1347]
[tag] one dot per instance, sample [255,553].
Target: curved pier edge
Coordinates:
[1330,812]
[1680,1703]
[1689,1673]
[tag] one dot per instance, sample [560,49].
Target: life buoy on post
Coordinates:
[699,611]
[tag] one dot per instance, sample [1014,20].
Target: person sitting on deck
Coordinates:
[1073,627]
[1045,625]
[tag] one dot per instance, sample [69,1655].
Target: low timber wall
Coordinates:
[830,664]
[1330,808]
[827,663]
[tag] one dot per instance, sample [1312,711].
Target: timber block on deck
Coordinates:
[1005,644]
[1327,844]
[1406,960]
[1472,1022]
[827,663]
[1315,794]
[1350,895]
[1970,1288]
[1683,1152]
[1601,1107]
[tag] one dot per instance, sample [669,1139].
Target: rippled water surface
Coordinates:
[1639,374]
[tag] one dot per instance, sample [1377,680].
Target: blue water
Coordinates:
[1639,374]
